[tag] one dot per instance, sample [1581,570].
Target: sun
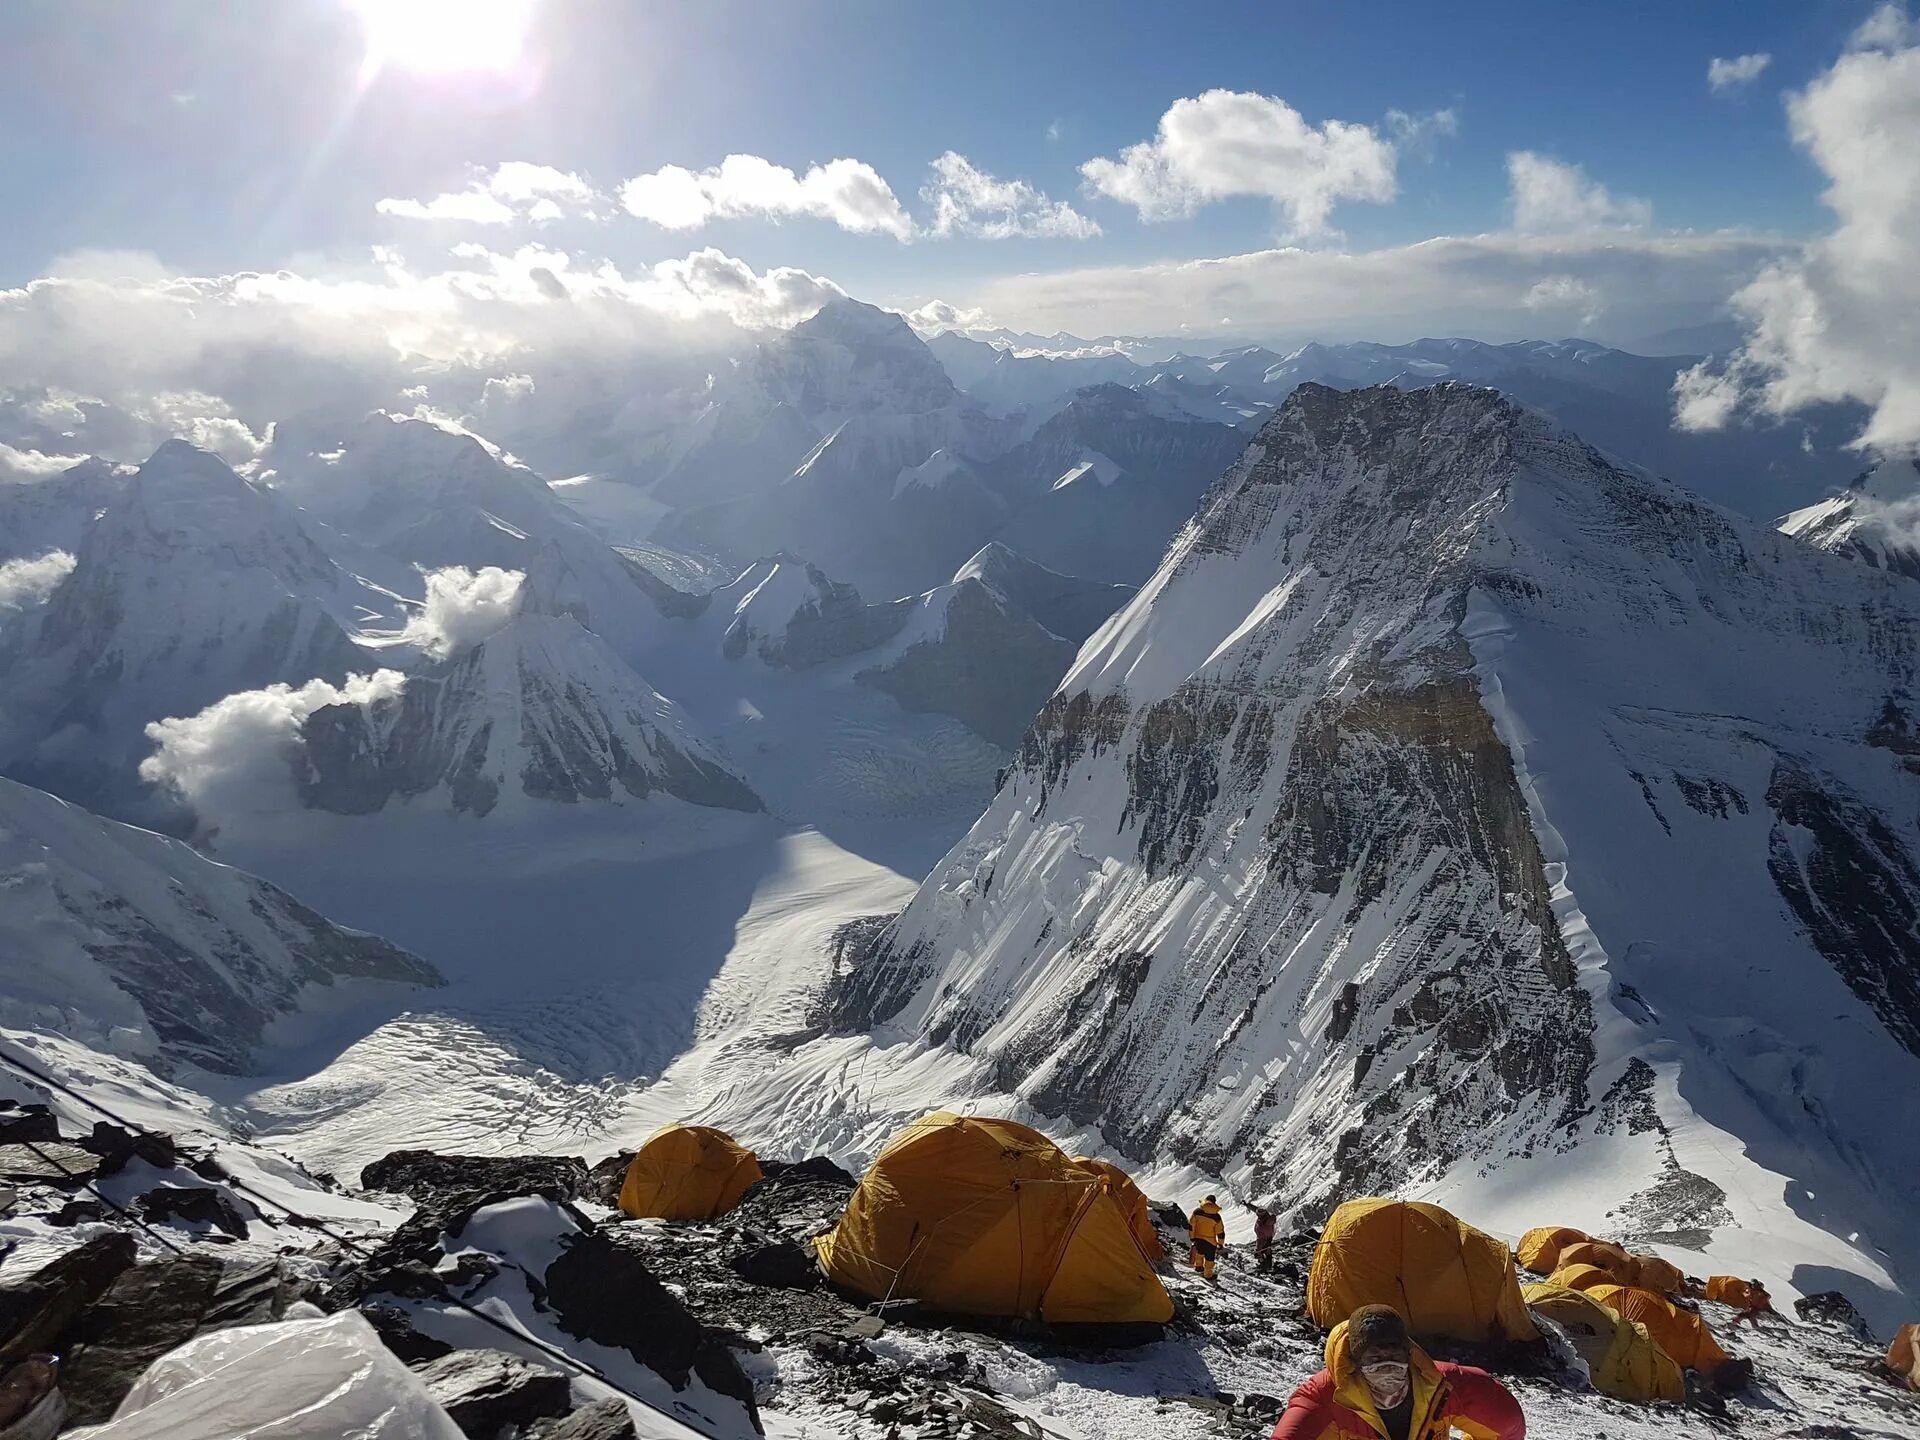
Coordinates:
[444,36]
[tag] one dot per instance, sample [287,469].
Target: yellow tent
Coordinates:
[1681,1333]
[1653,1273]
[1449,1279]
[1621,1357]
[986,1217]
[687,1172]
[1732,1290]
[1602,1256]
[1539,1249]
[1903,1355]
[1133,1202]
[1581,1277]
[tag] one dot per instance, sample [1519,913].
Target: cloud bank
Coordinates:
[1840,319]
[850,193]
[238,756]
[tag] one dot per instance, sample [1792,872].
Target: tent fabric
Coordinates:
[1903,1355]
[1731,1290]
[1133,1203]
[687,1172]
[1539,1249]
[1662,1276]
[1681,1333]
[1621,1357]
[1448,1279]
[1581,1277]
[1602,1256]
[987,1217]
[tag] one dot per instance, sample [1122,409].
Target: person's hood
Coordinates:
[1350,1388]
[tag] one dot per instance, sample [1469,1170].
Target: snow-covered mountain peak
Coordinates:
[1875,520]
[1453,795]
[185,500]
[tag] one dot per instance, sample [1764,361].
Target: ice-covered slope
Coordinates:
[1875,520]
[138,945]
[1451,803]
[195,584]
[55,513]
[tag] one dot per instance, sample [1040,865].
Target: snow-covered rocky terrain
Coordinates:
[1875,520]
[1457,808]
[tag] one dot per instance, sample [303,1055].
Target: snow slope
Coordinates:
[140,946]
[1456,808]
[1875,520]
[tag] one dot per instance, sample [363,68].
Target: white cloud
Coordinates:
[463,607]
[239,754]
[850,193]
[1228,143]
[17,464]
[1564,294]
[1732,74]
[30,580]
[938,315]
[968,201]
[1450,285]
[1840,320]
[1550,195]
[1888,28]
[512,191]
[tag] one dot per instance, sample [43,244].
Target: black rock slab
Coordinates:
[487,1391]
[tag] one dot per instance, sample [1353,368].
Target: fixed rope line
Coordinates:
[345,1242]
[102,1197]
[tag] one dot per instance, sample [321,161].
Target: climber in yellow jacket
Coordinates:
[1209,1236]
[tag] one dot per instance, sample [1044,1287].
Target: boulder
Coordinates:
[78,1212]
[600,1289]
[603,1420]
[606,1178]
[20,1123]
[117,1147]
[396,1331]
[427,1178]
[55,1162]
[489,1393]
[36,1313]
[194,1205]
[147,1311]
[780,1264]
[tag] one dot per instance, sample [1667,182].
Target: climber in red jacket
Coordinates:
[1379,1385]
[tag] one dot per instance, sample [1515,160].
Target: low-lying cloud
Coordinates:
[30,580]
[241,755]
[463,607]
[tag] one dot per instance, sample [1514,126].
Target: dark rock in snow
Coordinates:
[195,1205]
[396,1331]
[78,1212]
[47,1163]
[27,1122]
[780,1263]
[36,1313]
[601,1289]
[1830,1307]
[118,1147]
[490,1394]
[604,1420]
[425,1177]
[148,1310]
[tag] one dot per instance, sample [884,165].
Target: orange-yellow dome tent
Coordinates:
[1450,1280]
[1539,1249]
[1602,1256]
[1133,1201]
[988,1217]
[1581,1277]
[687,1172]
[1663,1276]
[1622,1359]
[1903,1355]
[1681,1333]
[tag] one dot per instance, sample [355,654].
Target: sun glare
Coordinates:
[444,36]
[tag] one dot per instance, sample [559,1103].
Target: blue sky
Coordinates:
[236,136]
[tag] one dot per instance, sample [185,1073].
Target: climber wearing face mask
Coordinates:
[1379,1385]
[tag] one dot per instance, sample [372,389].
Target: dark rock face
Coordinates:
[427,1178]
[605,1420]
[36,1312]
[19,1124]
[1830,1307]
[149,1310]
[605,1179]
[490,1394]
[398,1333]
[1855,887]
[601,1289]
[991,668]
[195,1205]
